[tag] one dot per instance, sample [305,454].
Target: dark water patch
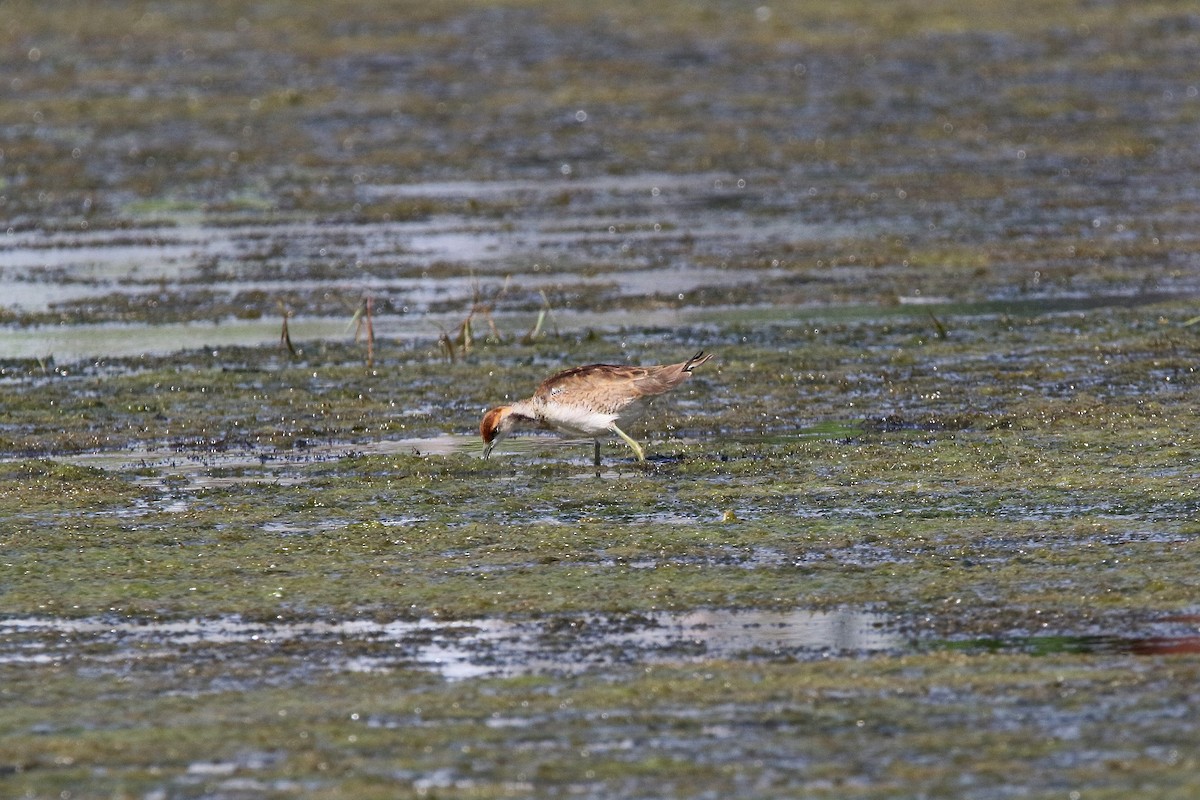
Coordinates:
[1098,644]
[1170,634]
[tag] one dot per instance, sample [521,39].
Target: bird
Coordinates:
[593,401]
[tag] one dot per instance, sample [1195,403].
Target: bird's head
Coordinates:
[496,424]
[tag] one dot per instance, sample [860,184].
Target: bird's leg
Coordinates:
[597,443]
[637,448]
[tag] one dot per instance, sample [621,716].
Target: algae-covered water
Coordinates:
[927,526]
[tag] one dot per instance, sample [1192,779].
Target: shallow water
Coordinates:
[471,648]
[553,645]
[69,343]
[925,527]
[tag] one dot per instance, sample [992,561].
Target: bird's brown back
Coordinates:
[611,387]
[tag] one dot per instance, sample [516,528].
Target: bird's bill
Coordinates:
[487,448]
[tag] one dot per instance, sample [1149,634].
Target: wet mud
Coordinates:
[927,525]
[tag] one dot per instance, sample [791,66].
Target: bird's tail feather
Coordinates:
[696,361]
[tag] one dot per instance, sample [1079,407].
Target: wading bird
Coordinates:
[593,401]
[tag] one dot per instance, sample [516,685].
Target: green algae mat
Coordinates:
[927,526]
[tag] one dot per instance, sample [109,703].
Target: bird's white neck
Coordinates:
[572,419]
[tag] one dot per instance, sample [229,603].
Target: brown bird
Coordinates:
[591,401]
